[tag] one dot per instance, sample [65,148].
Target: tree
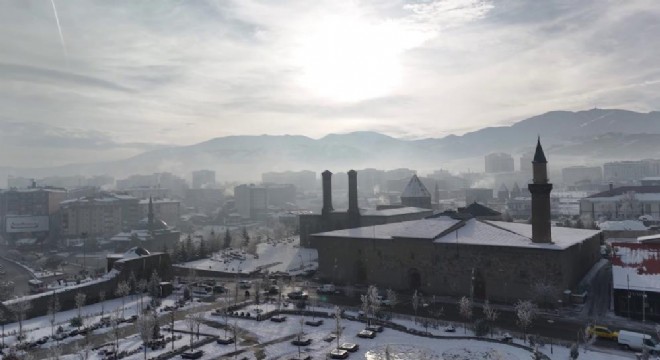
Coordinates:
[145,326]
[153,287]
[544,293]
[190,248]
[115,321]
[194,321]
[102,301]
[203,251]
[132,283]
[526,311]
[140,289]
[338,324]
[20,309]
[226,243]
[80,300]
[122,290]
[392,299]
[370,303]
[574,353]
[3,319]
[246,238]
[53,308]
[465,309]
[415,304]
[491,315]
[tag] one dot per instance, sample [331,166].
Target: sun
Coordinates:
[347,59]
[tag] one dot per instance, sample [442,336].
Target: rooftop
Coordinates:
[654,189]
[636,266]
[444,229]
[415,189]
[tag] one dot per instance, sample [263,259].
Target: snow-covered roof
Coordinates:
[391,212]
[415,189]
[636,266]
[623,225]
[642,239]
[444,229]
[135,253]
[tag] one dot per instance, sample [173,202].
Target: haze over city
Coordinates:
[107,81]
[306,180]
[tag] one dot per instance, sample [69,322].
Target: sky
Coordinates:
[85,80]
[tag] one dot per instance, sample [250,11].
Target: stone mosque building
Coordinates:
[462,255]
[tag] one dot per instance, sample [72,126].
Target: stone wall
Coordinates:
[142,267]
[500,273]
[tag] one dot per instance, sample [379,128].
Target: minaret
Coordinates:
[540,190]
[150,216]
[326,181]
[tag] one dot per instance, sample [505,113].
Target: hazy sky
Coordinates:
[121,76]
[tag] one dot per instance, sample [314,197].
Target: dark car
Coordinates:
[349,347]
[314,323]
[366,334]
[339,354]
[192,354]
[375,328]
[225,341]
[297,295]
[278,319]
[302,342]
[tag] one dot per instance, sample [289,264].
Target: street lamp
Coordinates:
[550,321]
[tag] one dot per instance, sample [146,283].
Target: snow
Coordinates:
[444,229]
[628,225]
[630,268]
[273,256]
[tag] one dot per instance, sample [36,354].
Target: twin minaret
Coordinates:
[540,189]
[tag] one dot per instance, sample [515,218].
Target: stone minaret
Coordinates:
[540,190]
[326,181]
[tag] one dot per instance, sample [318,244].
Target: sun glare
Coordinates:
[345,59]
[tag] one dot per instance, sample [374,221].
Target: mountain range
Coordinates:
[593,136]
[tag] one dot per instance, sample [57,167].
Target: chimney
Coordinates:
[326,177]
[353,193]
[611,186]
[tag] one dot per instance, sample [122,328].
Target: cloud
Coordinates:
[139,72]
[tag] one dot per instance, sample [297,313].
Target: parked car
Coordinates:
[637,341]
[602,332]
[366,334]
[339,354]
[192,354]
[375,328]
[314,323]
[273,290]
[301,341]
[225,341]
[244,284]
[506,338]
[450,328]
[297,295]
[383,301]
[349,347]
[326,289]
[278,319]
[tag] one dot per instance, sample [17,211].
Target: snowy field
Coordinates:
[272,256]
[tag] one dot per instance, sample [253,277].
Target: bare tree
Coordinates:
[102,301]
[115,321]
[415,304]
[140,288]
[122,290]
[370,303]
[526,311]
[80,300]
[53,308]
[338,329]
[392,297]
[491,315]
[194,321]
[544,293]
[465,306]
[172,317]
[3,319]
[145,326]
[20,309]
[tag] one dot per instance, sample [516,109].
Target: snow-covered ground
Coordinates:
[284,255]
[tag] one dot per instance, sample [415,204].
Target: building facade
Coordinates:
[499,162]
[579,174]
[30,213]
[622,203]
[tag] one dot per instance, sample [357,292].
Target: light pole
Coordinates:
[644,306]
[550,321]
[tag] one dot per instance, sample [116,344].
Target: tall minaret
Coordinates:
[150,216]
[540,190]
